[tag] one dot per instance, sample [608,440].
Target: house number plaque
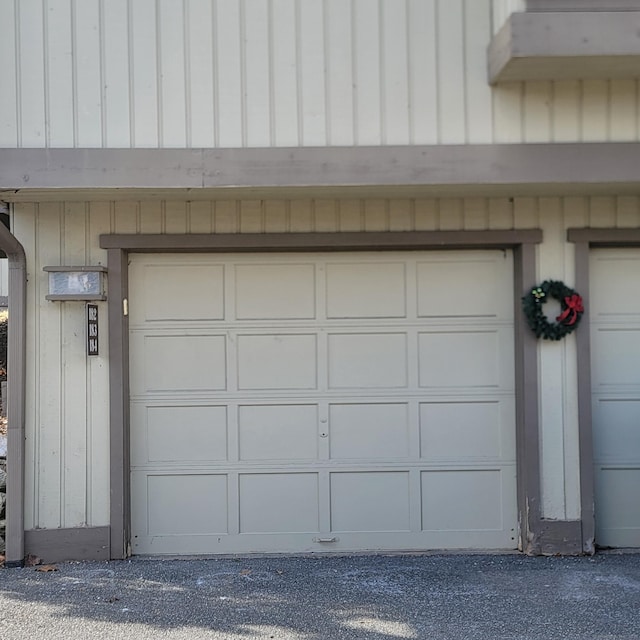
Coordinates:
[92,329]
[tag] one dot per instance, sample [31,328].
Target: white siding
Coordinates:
[226,73]
[4,277]
[502,9]
[67,414]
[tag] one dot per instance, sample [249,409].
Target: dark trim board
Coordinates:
[566,45]
[605,237]
[347,241]
[563,535]
[58,545]
[16,394]
[481,169]
[536,535]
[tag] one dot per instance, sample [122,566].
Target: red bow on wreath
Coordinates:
[574,307]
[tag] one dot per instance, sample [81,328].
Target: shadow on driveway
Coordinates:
[430,597]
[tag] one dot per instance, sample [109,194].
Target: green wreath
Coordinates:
[570,314]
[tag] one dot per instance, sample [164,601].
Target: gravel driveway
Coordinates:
[430,597]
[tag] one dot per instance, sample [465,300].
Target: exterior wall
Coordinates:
[4,277]
[502,9]
[67,442]
[229,73]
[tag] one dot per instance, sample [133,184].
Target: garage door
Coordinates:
[615,348]
[322,402]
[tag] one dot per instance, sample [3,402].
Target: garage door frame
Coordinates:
[584,240]
[536,535]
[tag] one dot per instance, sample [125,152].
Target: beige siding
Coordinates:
[502,9]
[67,414]
[224,73]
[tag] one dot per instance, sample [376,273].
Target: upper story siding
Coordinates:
[260,73]
[502,9]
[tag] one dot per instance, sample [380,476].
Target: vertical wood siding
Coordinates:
[4,277]
[259,73]
[502,9]
[67,479]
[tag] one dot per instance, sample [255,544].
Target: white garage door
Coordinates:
[615,348]
[322,402]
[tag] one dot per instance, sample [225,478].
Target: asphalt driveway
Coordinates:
[430,597]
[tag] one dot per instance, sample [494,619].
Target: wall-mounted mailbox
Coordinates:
[76,283]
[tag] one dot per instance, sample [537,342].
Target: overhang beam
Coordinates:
[515,169]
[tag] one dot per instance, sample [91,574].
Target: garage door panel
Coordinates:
[478,359]
[275,292]
[618,506]
[616,431]
[466,430]
[370,501]
[457,500]
[367,360]
[369,431]
[278,432]
[451,296]
[278,361]
[179,434]
[175,363]
[279,502]
[186,504]
[613,294]
[370,290]
[616,354]
[174,292]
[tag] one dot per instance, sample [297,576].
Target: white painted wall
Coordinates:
[67,412]
[258,73]
[502,9]
[4,277]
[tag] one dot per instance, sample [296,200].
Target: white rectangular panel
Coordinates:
[278,432]
[278,291]
[477,359]
[369,430]
[367,360]
[277,361]
[617,503]
[186,434]
[180,292]
[460,430]
[462,500]
[278,502]
[372,290]
[616,354]
[615,283]
[186,504]
[370,501]
[182,363]
[466,287]
[616,429]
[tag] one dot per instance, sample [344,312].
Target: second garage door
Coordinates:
[615,354]
[322,402]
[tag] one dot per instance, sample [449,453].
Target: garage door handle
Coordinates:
[322,540]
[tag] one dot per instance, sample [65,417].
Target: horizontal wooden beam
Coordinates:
[566,45]
[452,169]
[605,237]
[351,241]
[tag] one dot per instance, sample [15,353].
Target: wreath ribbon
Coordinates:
[574,307]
